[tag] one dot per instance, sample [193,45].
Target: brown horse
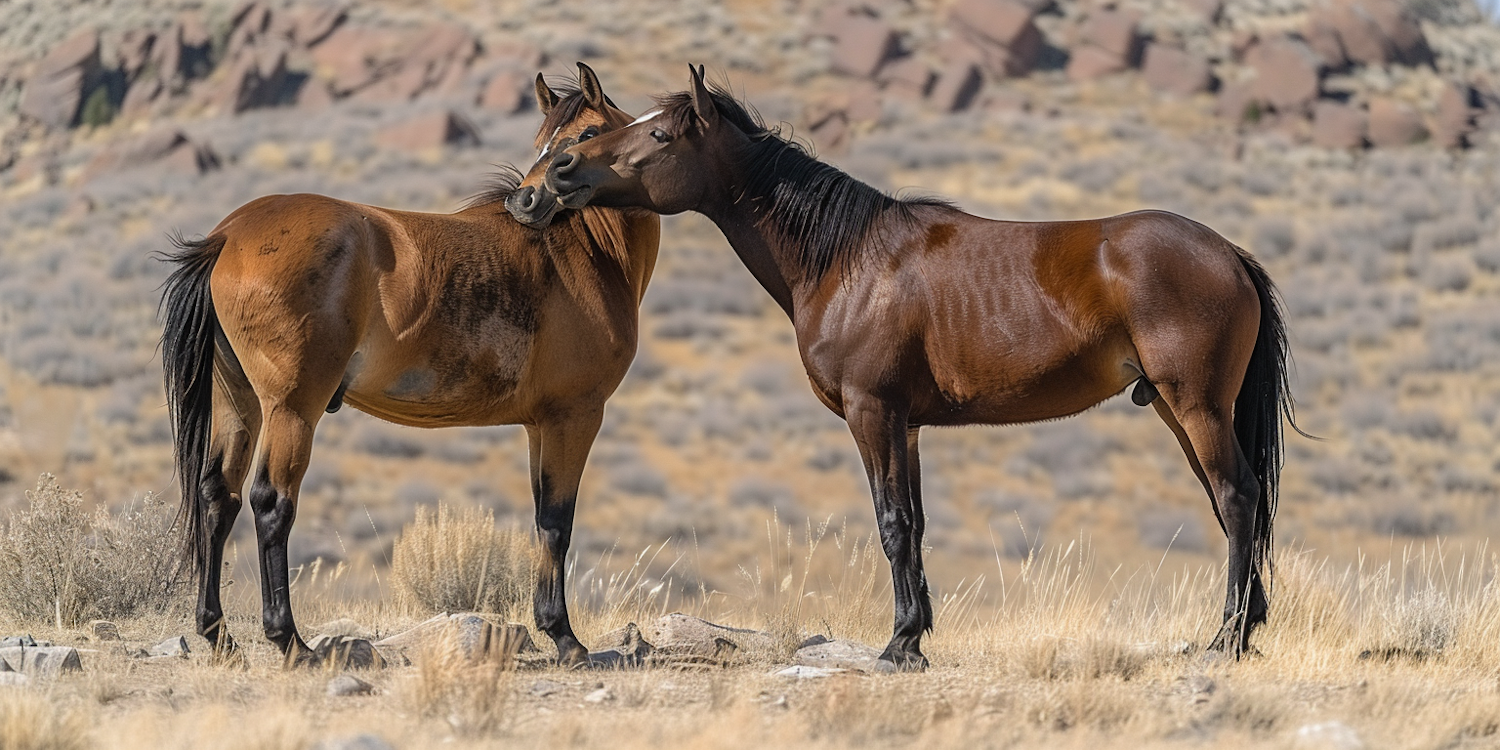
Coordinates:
[912,313]
[295,304]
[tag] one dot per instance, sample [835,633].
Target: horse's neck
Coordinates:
[762,251]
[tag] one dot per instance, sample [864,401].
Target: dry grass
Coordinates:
[1053,650]
[457,559]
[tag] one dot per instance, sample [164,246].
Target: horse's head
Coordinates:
[569,117]
[666,161]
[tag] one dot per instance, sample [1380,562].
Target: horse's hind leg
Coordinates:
[236,423]
[286,446]
[1235,492]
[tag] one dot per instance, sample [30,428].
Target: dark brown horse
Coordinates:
[295,304]
[912,313]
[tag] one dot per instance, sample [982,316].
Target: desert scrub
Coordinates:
[66,565]
[30,721]
[455,560]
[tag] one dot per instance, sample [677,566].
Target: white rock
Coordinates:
[174,646]
[804,672]
[839,654]
[346,685]
[602,695]
[1328,735]
[357,742]
[44,661]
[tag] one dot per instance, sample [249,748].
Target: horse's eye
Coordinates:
[660,135]
[588,132]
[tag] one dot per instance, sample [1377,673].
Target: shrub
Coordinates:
[65,564]
[98,109]
[639,479]
[456,560]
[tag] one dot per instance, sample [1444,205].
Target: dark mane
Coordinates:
[497,187]
[827,213]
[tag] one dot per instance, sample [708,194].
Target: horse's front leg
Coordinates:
[559,449]
[880,428]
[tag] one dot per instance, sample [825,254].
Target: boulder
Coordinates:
[342,652]
[678,633]
[310,26]
[1455,116]
[838,654]
[1176,71]
[163,146]
[104,630]
[506,91]
[1208,11]
[1371,32]
[862,44]
[1394,123]
[957,86]
[432,130]
[346,685]
[1234,100]
[475,636]
[55,94]
[906,76]
[1322,37]
[1003,31]
[1338,125]
[134,51]
[41,661]
[176,646]
[1286,73]
[21,640]
[1087,63]
[1114,31]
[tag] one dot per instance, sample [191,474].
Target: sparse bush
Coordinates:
[387,443]
[457,560]
[98,110]
[64,564]
[754,492]
[1171,528]
[1448,275]
[474,697]
[1274,237]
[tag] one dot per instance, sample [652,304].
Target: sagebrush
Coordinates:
[66,565]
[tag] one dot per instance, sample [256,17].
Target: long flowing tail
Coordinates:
[187,354]
[1265,398]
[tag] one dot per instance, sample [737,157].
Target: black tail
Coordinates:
[1265,398]
[187,355]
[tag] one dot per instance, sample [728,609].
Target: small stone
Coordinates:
[602,695]
[544,688]
[104,630]
[804,672]
[340,652]
[1328,735]
[631,650]
[346,685]
[839,654]
[175,646]
[356,742]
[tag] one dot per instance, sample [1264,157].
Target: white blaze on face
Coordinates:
[547,148]
[648,116]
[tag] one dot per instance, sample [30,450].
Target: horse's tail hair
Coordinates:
[187,354]
[1265,398]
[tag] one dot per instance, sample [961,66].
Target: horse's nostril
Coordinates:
[528,199]
[564,163]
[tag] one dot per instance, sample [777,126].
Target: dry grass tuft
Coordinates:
[65,565]
[473,697]
[30,721]
[455,560]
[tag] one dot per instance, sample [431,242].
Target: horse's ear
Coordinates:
[545,98]
[588,83]
[703,103]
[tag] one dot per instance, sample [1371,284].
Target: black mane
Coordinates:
[824,211]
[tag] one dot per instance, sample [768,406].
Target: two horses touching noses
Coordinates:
[912,313]
[522,308]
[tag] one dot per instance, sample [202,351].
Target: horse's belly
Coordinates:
[1019,384]
[452,380]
